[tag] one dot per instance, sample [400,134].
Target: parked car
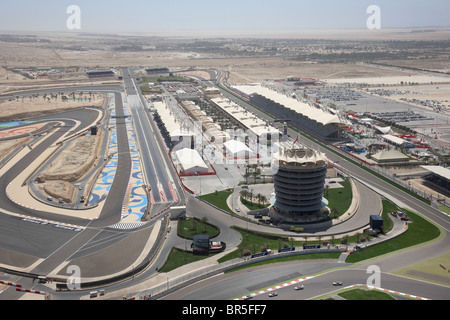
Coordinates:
[404,217]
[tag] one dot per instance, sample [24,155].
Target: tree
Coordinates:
[263,199]
[327,187]
[244,194]
[204,221]
[258,197]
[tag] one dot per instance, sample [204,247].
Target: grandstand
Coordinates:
[438,179]
[283,104]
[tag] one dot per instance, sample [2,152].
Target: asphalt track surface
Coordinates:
[57,245]
[23,241]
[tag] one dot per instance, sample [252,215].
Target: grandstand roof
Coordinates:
[303,108]
[438,170]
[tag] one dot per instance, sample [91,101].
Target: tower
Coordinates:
[299,181]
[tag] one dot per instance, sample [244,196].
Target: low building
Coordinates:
[191,162]
[390,157]
[100,73]
[238,150]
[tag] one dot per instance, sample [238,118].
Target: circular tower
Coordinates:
[299,180]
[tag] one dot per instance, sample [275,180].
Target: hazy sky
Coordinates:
[151,15]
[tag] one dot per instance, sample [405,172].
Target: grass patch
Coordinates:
[361,294]
[219,199]
[160,79]
[254,242]
[308,256]
[443,208]
[340,198]
[419,231]
[192,226]
[253,205]
[178,258]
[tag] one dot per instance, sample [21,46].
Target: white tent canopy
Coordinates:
[190,161]
[238,149]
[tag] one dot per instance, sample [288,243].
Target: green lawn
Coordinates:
[178,258]
[419,231]
[191,226]
[340,198]
[361,294]
[219,199]
[253,205]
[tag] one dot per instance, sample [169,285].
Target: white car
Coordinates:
[337,283]
[300,287]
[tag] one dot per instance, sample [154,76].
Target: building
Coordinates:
[100,73]
[397,141]
[438,179]
[202,244]
[390,157]
[299,182]
[158,71]
[279,103]
[238,150]
[191,162]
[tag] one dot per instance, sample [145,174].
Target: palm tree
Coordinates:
[334,212]
[263,199]
[258,197]
[244,194]
[204,221]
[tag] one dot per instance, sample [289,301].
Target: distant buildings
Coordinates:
[100,73]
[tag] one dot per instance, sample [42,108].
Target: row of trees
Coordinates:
[64,97]
[250,196]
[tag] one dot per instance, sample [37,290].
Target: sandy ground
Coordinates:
[7,146]
[383,79]
[23,108]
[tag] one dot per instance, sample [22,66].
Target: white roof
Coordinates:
[384,130]
[389,155]
[190,159]
[235,146]
[249,120]
[438,170]
[298,154]
[303,108]
[394,139]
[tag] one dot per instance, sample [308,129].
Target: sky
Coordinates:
[185,15]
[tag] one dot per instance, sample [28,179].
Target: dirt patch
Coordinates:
[9,145]
[60,190]
[70,166]
[19,107]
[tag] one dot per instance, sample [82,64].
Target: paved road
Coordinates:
[153,155]
[357,172]
[44,241]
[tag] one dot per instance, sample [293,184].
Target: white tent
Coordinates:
[190,161]
[238,149]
